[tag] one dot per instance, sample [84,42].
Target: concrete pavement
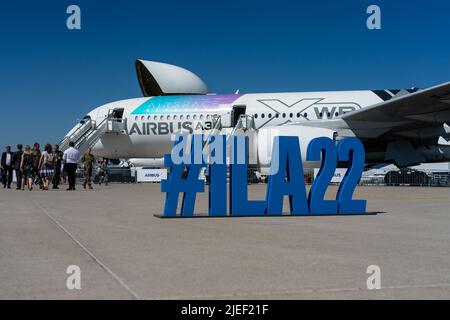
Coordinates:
[126,253]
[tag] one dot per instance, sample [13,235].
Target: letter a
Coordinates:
[374,20]
[74,280]
[374,280]
[286,178]
[74,20]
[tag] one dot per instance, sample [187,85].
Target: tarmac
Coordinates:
[124,252]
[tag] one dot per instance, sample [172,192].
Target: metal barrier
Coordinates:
[407,177]
[440,179]
[392,178]
[115,175]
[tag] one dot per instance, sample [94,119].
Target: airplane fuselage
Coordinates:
[150,122]
[403,127]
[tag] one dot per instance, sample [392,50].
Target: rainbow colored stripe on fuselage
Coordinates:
[183,104]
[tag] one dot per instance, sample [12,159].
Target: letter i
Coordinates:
[218,183]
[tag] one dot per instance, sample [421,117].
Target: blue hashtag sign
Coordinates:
[285,178]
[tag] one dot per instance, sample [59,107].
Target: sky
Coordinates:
[51,76]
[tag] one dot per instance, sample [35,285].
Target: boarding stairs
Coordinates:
[89,132]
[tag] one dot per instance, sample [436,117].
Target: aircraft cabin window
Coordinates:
[135,118]
[175,117]
[168,117]
[291,115]
[284,115]
[329,114]
[201,117]
[161,118]
[256,116]
[194,117]
[337,114]
[181,117]
[208,116]
[277,115]
[321,114]
[305,115]
[188,117]
[269,115]
[263,115]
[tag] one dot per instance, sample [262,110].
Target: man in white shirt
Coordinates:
[71,157]
[7,167]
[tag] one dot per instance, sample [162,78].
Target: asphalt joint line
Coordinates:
[88,252]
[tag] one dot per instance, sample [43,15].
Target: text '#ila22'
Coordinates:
[286,178]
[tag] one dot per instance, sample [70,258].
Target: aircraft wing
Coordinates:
[422,114]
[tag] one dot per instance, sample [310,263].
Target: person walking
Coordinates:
[88,161]
[71,157]
[27,169]
[63,179]
[57,156]
[17,159]
[36,158]
[7,165]
[46,166]
[103,172]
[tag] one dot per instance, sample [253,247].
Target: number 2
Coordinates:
[322,148]
[352,150]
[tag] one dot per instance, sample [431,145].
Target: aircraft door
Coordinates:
[236,113]
[115,120]
[116,114]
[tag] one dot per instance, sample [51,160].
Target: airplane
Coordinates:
[401,127]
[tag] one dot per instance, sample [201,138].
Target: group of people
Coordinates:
[48,167]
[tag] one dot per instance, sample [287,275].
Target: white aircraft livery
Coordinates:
[403,127]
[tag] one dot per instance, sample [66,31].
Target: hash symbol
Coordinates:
[183,178]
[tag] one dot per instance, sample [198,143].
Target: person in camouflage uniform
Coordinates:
[88,161]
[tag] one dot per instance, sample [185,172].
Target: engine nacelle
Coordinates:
[265,138]
[147,162]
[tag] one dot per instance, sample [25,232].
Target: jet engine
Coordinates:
[264,140]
